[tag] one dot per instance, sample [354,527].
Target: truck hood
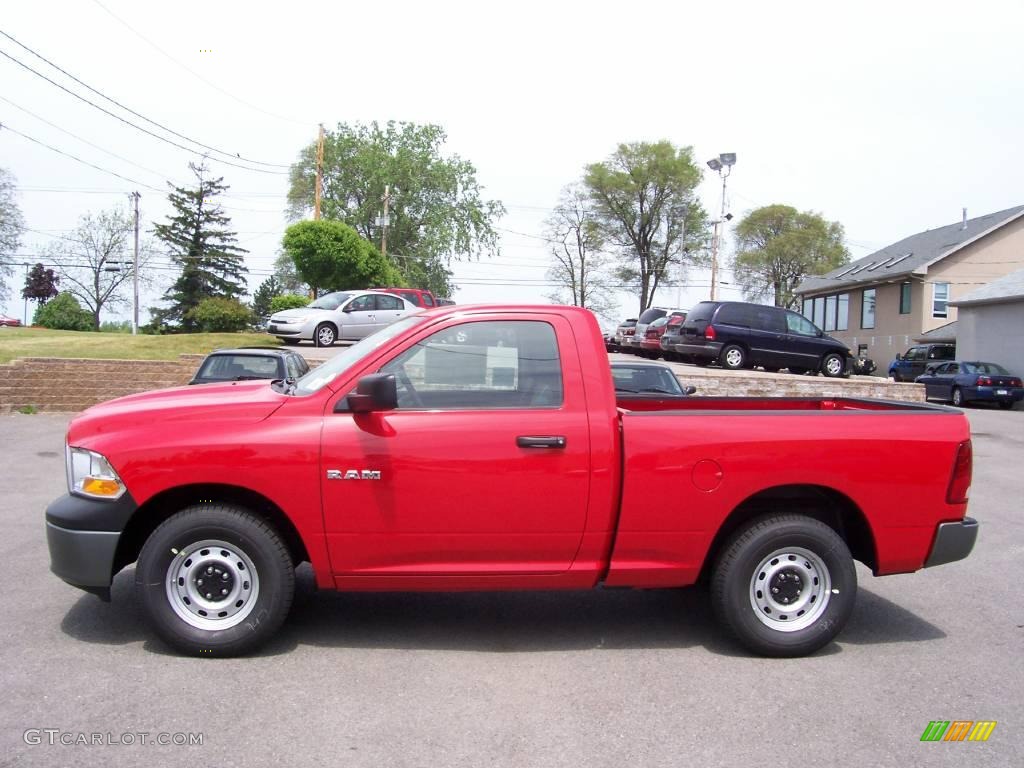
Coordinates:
[248,401]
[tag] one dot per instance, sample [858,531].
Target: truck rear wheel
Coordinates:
[215,580]
[784,585]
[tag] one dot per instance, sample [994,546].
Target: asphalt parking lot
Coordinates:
[604,678]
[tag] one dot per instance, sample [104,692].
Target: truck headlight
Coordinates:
[90,474]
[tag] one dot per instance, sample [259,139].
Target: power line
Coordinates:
[4,126]
[133,112]
[84,141]
[168,56]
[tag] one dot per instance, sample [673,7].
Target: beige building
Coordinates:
[879,304]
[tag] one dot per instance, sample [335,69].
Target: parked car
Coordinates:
[646,379]
[418,296]
[626,328]
[770,501]
[650,345]
[738,334]
[633,342]
[340,315]
[243,363]
[9,322]
[912,363]
[672,336]
[443,302]
[964,382]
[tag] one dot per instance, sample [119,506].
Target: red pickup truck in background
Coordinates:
[549,481]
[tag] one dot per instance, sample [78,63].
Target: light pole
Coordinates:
[723,166]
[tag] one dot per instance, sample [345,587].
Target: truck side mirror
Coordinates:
[689,389]
[899,356]
[375,392]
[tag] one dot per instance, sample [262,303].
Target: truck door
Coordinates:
[484,467]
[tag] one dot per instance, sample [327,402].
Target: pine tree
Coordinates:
[199,240]
[268,289]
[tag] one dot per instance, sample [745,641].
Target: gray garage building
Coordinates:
[990,323]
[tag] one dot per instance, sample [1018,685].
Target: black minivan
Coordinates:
[741,335]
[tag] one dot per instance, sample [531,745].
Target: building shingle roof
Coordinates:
[1007,288]
[911,254]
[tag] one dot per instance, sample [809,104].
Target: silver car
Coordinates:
[341,315]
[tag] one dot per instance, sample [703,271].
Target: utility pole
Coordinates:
[383,221]
[135,267]
[319,189]
[723,166]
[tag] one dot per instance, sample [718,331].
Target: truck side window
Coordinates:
[498,364]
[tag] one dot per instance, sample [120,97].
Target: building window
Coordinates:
[819,311]
[867,309]
[843,312]
[830,313]
[940,297]
[905,299]
[808,308]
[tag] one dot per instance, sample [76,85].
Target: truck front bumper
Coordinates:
[953,541]
[83,535]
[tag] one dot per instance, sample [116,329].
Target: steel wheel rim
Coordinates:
[733,358]
[325,336]
[958,398]
[806,596]
[834,366]
[212,585]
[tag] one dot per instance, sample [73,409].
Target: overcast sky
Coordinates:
[888,117]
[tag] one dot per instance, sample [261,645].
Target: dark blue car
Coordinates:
[964,382]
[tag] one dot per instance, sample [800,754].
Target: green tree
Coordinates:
[63,313]
[579,263]
[331,256]
[199,240]
[644,204]
[95,262]
[437,209]
[40,285]
[219,315]
[262,297]
[288,301]
[12,225]
[287,276]
[777,246]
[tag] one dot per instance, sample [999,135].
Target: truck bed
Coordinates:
[634,404]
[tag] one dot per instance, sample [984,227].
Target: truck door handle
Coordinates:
[537,441]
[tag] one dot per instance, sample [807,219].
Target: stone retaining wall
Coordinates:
[74,384]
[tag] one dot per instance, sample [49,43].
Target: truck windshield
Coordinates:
[320,377]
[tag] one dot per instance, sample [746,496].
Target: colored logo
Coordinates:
[958,730]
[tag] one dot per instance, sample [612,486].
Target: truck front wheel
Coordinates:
[215,580]
[784,585]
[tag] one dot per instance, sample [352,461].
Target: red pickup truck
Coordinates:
[549,481]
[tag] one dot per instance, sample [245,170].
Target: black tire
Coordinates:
[894,376]
[958,398]
[325,335]
[291,342]
[243,553]
[833,365]
[802,560]
[733,357]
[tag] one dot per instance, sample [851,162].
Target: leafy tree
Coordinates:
[11,227]
[95,262]
[40,284]
[778,246]
[332,256]
[580,265]
[437,209]
[216,314]
[199,240]
[286,274]
[644,204]
[287,301]
[63,313]
[269,289]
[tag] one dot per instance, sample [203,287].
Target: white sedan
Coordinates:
[341,315]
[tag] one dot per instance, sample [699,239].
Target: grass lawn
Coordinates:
[42,342]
